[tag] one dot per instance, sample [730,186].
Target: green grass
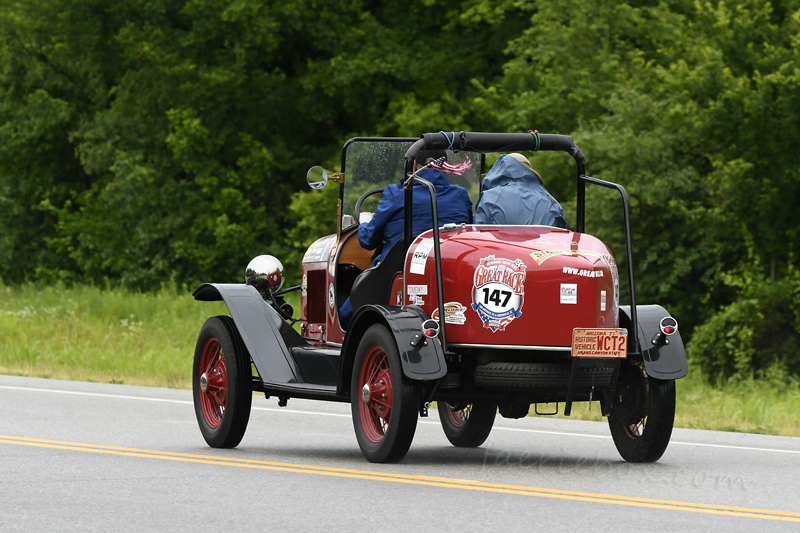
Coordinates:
[105,335]
[770,406]
[115,336]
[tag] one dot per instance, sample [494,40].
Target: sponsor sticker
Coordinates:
[498,291]
[569,293]
[543,255]
[583,272]
[454,313]
[420,257]
[562,243]
[415,292]
[602,300]
[418,289]
[399,297]
[331,296]
[318,250]
[304,286]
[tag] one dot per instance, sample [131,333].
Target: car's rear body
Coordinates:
[515,286]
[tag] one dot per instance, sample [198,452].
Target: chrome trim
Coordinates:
[513,347]
[333,344]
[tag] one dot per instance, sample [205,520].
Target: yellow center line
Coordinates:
[406,478]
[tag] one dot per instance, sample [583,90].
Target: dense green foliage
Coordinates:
[143,141]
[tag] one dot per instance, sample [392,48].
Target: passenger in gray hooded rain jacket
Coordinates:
[512,193]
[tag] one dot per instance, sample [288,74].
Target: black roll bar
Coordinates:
[437,257]
[581,209]
[476,141]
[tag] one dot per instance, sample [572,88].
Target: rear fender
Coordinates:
[423,363]
[259,325]
[664,361]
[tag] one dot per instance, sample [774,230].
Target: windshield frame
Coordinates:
[401,170]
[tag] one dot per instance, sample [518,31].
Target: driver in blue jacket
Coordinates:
[388,223]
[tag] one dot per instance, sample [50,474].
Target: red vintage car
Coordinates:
[531,318]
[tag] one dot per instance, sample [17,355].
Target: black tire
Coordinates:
[642,415]
[468,427]
[385,415]
[222,403]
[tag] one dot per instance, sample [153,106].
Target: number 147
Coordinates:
[495,296]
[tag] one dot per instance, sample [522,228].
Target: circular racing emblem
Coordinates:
[498,291]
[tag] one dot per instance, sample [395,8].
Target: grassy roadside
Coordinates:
[104,335]
[114,336]
[770,407]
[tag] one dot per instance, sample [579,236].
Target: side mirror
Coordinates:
[317,177]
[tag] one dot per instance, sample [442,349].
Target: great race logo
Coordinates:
[498,291]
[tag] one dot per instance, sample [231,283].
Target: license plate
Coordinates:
[599,342]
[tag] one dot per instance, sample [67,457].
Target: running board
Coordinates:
[306,391]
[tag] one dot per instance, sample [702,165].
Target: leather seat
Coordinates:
[374,285]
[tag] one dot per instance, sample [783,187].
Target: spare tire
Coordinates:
[539,376]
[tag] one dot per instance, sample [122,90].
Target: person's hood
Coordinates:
[507,170]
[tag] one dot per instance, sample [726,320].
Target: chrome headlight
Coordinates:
[264,271]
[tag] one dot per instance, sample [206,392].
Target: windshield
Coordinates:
[371,164]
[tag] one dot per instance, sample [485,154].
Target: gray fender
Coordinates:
[422,363]
[667,361]
[259,327]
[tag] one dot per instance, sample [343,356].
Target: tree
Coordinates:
[693,108]
[175,131]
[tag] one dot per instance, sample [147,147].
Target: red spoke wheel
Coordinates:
[642,415]
[221,383]
[213,382]
[376,408]
[384,403]
[468,427]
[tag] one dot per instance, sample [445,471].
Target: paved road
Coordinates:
[98,457]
